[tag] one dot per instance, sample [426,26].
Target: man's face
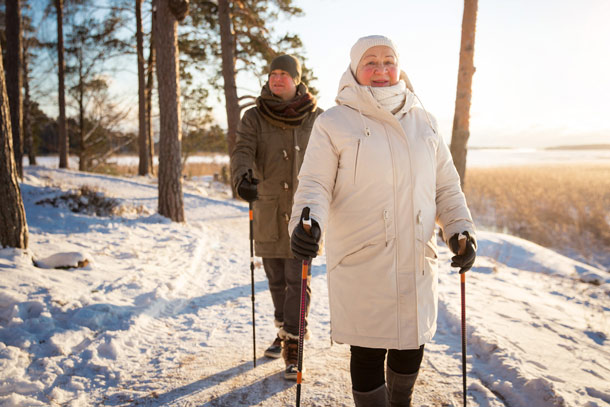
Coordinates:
[281,84]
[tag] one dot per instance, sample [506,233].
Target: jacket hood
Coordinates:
[358,97]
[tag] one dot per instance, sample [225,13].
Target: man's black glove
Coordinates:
[465,260]
[247,189]
[305,245]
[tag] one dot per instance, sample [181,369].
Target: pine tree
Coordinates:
[28,134]
[169,12]
[461,120]
[61,93]
[90,42]
[227,41]
[14,77]
[13,225]
[144,164]
[149,91]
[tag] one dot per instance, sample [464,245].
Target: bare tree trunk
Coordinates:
[143,167]
[149,91]
[28,136]
[461,120]
[170,167]
[13,225]
[227,44]
[14,82]
[82,150]
[61,66]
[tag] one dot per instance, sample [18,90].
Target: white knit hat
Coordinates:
[365,43]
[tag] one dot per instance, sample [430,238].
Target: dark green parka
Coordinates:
[275,155]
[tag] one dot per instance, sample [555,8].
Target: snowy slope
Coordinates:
[162,313]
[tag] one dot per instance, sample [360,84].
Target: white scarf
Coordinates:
[391,98]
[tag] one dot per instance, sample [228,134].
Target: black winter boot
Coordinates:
[373,398]
[400,388]
[275,350]
[291,358]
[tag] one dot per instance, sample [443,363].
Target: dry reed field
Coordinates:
[566,208]
[189,170]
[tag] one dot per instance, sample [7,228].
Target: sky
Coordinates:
[162,313]
[541,66]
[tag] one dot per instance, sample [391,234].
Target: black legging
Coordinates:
[367,365]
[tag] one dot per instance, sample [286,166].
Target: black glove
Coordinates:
[465,260]
[305,245]
[247,189]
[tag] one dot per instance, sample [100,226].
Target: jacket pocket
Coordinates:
[360,256]
[431,258]
[431,250]
[266,227]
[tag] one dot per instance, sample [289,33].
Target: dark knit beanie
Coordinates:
[289,64]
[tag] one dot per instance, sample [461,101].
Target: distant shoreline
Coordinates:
[581,147]
[566,147]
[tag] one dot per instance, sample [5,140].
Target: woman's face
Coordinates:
[281,84]
[378,67]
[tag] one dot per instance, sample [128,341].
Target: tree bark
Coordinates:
[461,119]
[143,167]
[61,93]
[227,44]
[170,167]
[149,91]
[13,225]
[14,81]
[82,149]
[28,136]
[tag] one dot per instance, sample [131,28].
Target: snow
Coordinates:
[161,313]
[64,260]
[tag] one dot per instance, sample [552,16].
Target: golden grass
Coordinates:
[561,207]
[199,169]
[189,170]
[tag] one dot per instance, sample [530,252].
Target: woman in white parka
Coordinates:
[377,177]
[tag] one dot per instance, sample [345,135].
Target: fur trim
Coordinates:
[287,335]
[277,323]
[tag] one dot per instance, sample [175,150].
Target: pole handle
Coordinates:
[306,220]
[461,244]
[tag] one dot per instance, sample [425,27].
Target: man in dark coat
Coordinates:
[269,150]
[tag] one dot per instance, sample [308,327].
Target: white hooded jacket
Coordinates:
[377,183]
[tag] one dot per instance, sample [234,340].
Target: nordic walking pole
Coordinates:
[306,221]
[252,280]
[462,248]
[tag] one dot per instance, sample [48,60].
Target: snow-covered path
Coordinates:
[221,373]
[162,315]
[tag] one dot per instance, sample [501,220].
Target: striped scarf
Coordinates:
[286,114]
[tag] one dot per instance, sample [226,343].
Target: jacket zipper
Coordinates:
[386,218]
[356,161]
[330,318]
[397,232]
[420,227]
[295,163]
